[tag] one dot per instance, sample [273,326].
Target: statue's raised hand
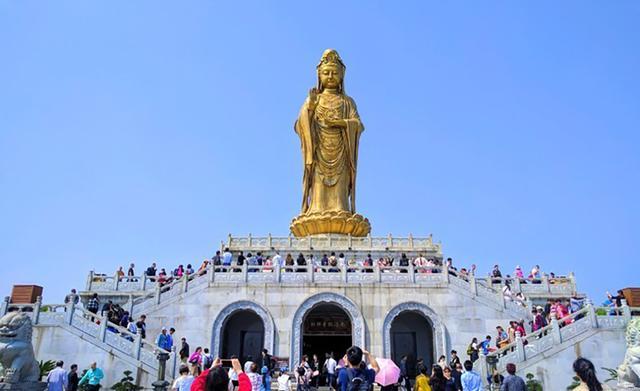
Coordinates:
[313,98]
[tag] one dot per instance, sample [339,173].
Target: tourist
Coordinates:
[442,361]
[267,266]
[241,259]
[120,273]
[141,324]
[470,379]
[248,364]
[422,380]
[131,273]
[151,272]
[455,360]
[333,263]
[506,291]
[357,368]
[216,379]
[473,350]
[254,377]
[266,360]
[133,329]
[486,345]
[301,261]
[196,357]
[72,297]
[207,359]
[184,350]
[496,275]
[184,381]
[284,382]
[512,382]
[539,320]
[437,380]
[227,257]
[535,274]
[289,262]
[404,373]
[586,372]
[179,272]
[57,379]
[72,378]
[342,262]
[502,338]
[302,378]
[617,300]
[202,270]
[277,260]
[162,277]
[251,261]
[93,305]
[449,381]
[170,338]
[495,380]
[233,375]
[330,369]
[457,376]
[403,263]
[519,273]
[161,339]
[216,260]
[520,299]
[92,377]
[315,371]
[190,270]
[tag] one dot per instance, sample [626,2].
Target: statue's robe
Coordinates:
[308,129]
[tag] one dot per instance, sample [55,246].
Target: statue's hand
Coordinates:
[336,123]
[313,98]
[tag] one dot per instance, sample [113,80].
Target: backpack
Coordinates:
[358,381]
[470,350]
[207,361]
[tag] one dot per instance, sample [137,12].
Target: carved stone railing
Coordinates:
[102,282]
[334,242]
[550,337]
[95,328]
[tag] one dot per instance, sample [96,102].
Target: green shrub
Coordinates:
[126,383]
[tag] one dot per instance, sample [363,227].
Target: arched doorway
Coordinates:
[326,329]
[411,335]
[243,335]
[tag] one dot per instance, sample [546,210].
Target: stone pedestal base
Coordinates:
[341,222]
[24,386]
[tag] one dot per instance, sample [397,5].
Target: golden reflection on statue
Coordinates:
[329,128]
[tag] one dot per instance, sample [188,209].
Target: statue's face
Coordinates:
[330,76]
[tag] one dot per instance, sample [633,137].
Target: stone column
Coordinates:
[158,291]
[90,280]
[474,284]
[103,328]
[116,281]
[161,384]
[4,306]
[36,310]
[555,329]
[137,347]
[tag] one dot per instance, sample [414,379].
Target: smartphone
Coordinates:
[226,363]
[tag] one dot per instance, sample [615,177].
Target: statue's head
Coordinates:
[15,326]
[331,71]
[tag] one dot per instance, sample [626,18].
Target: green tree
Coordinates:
[532,384]
[126,383]
[46,367]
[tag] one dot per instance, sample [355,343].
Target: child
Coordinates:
[302,378]
[284,382]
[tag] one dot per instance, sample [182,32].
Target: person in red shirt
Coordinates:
[217,379]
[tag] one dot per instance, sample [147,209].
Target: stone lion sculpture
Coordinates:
[629,370]
[16,349]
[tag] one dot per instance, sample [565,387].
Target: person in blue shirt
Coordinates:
[471,380]
[357,370]
[485,345]
[170,339]
[92,377]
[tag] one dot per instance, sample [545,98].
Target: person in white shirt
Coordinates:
[420,262]
[284,382]
[233,376]
[277,260]
[57,379]
[330,364]
[183,382]
[248,364]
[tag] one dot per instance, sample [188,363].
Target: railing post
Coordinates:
[501,299]
[555,329]
[412,272]
[144,282]
[158,293]
[185,282]
[626,311]
[212,272]
[546,283]
[137,347]
[516,285]
[36,310]
[446,278]
[411,241]
[378,272]
[278,272]
[311,271]
[474,284]
[290,241]
[344,272]
[593,317]
[90,280]
[103,328]
[249,240]
[520,353]
[116,281]
[269,241]
[175,362]
[161,384]
[484,370]
[4,306]
[350,239]
[572,281]
[245,271]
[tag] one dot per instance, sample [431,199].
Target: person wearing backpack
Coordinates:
[357,376]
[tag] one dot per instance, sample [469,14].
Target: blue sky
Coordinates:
[149,130]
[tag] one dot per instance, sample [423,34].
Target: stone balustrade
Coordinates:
[550,337]
[96,328]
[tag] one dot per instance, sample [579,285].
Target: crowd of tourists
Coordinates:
[356,371]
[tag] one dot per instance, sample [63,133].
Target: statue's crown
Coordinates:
[330,56]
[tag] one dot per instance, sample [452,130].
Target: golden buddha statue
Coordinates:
[329,128]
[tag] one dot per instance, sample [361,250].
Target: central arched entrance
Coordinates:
[326,329]
[412,336]
[243,336]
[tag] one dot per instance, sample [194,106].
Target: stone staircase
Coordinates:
[559,335]
[99,332]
